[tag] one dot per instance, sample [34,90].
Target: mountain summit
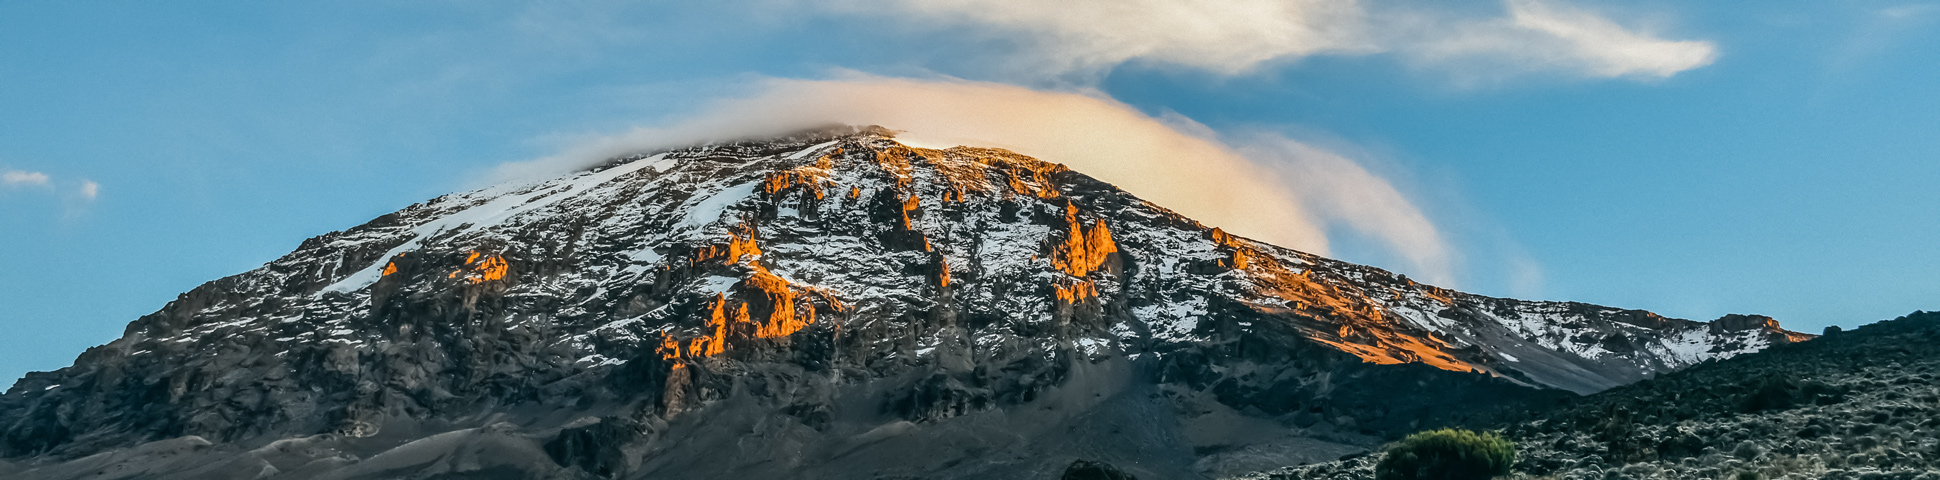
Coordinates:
[832,304]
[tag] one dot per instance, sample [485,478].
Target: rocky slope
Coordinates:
[828,305]
[1862,404]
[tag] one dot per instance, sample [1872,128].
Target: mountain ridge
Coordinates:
[835,279]
[1857,404]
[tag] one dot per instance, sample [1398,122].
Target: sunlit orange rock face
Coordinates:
[809,177]
[896,160]
[729,318]
[481,268]
[714,336]
[740,244]
[669,348]
[762,306]
[1075,291]
[966,170]
[1237,259]
[717,322]
[1082,252]
[908,205]
[782,320]
[390,267]
[1022,175]
[804,177]
[1361,328]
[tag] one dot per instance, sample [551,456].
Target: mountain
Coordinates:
[831,304]
[1852,405]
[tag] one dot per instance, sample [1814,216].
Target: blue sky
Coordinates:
[1693,159]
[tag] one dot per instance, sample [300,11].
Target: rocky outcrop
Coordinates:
[596,448]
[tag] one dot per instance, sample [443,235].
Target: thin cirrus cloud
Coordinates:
[1088,37]
[1262,186]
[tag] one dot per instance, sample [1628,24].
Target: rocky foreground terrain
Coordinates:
[832,304]
[1861,404]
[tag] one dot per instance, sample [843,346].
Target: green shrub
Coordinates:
[1447,454]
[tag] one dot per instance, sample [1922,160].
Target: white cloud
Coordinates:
[1225,36]
[1089,37]
[76,199]
[1273,189]
[1341,192]
[87,190]
[1542,35]
[16,178]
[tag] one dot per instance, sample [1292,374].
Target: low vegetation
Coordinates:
[1447,454]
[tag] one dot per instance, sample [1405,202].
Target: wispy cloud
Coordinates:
[1229,36]
[1910,11]
[1342,192]
[1266,187]
[1542,35]
[1085,38]
[1877,32]
[76,194]
[22,178]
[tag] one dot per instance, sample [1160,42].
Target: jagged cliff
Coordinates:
[828,305]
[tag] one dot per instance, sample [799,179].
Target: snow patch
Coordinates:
[804,153]
[710,209]
[645,255]
[489,214]
[663,164]
[716,284]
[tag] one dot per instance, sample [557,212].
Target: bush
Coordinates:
[1087,470]
[1447,454]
